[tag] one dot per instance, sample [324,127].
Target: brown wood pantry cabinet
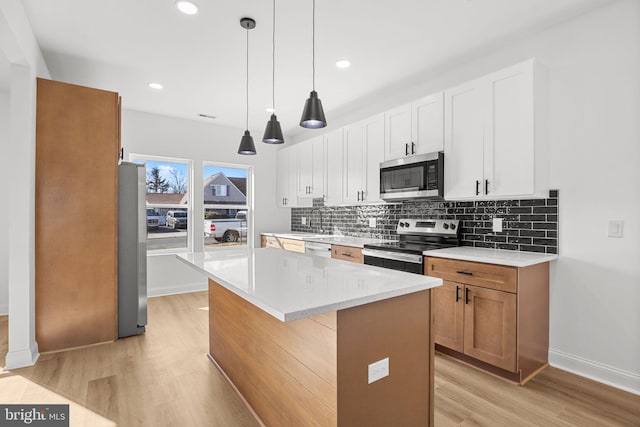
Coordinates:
[76,210]
[492,316]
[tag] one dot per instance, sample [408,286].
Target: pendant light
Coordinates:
[247,146]
[313,115]
[273,131]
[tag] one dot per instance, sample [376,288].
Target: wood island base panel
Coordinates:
[314,371]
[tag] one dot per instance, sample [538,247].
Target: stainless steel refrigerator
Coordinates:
[132,249]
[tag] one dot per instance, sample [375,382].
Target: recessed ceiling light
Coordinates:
[271,110]
[343,63]
[156,86]
[187,7]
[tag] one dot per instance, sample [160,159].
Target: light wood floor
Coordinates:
[164,379]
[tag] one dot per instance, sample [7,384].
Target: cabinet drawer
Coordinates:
[286,244]
[292,245]
[491,276]
[347,253]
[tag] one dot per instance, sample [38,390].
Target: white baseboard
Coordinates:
[4,309]
[177,289]
[22,358]
[618,378]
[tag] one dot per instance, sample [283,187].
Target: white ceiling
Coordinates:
[122,45]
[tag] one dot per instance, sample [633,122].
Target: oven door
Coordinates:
[394,260]
[414,177]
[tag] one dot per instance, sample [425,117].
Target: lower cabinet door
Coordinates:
[490,326]
[448,315]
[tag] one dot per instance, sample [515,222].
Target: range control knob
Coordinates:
[406,224]
[445,226]
[453,226]
[401,224]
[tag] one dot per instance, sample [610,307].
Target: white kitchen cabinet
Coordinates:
[495,145]
[334,167]
[364,150]
[311,168]
[415,128]
[287,179]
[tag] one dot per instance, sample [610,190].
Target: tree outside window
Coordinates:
[168,204]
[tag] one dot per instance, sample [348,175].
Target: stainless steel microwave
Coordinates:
[415,177]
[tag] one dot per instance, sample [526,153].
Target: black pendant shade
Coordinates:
[313,114]
[273,132]
[247,146]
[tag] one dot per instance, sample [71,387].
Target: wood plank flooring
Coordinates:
[164,379]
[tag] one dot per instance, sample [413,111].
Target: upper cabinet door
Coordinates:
[311,168]
[427,124]
[305,169]
[317,173]
[398,132]
[355,150]
[509,143]
[464,140]
[374,142]
[334,167]
[282,184]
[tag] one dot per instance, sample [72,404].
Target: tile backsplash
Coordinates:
[528,224]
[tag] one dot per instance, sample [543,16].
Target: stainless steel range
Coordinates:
[415,237]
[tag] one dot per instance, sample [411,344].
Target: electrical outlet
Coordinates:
[372,223]
[497,225]
[378,370]
[304,220]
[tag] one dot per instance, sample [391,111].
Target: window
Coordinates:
[226,198]
[168,203]
[220,190]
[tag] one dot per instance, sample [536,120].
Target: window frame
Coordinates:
[248,206]
[133,157]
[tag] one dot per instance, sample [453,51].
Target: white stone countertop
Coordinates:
[492,256]
[290,285]
[356,242]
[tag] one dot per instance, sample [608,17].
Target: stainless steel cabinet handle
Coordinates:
[466,295]
[457,293]
[477,187]
[486,186]
[406,149]
[413,148]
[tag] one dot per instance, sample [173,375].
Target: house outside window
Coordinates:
[227,207]
[168,203]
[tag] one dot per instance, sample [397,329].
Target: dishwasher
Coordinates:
[318,249]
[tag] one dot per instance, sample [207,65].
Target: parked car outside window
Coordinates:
[176,219]
[154,219]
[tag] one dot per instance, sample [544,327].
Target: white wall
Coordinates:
[4,243]
[19,46]
[150,134]
[594,69]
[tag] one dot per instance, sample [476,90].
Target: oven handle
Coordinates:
[396,256]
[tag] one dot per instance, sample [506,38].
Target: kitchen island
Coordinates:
[296,335]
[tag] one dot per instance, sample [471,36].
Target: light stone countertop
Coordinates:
[492,256]
[290,285]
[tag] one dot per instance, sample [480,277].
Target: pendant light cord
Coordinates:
[273,61]
[247,121]
[314,44]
